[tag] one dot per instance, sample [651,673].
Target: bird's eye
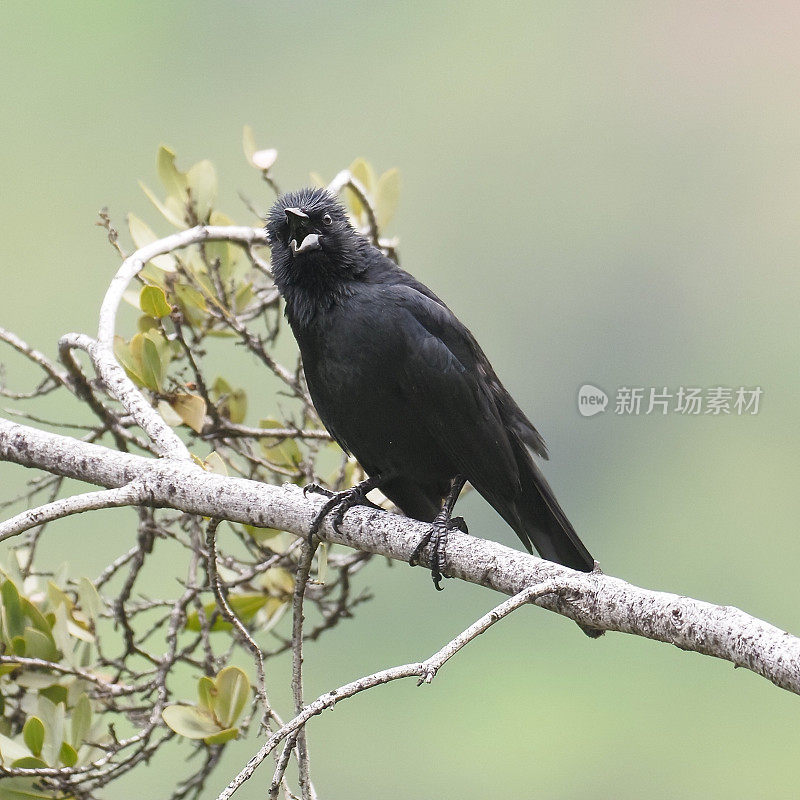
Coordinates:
[327,219]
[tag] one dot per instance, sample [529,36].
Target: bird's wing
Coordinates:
[449,393]
[464,346]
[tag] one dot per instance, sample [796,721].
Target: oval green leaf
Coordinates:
[12,608]
[191,408]
[387,197]
[33,735]
[201,180]
[233,692]
[81,720]
[190,721]
[153,302]
[206,690]
[68,756]
[173,180]
[222,736]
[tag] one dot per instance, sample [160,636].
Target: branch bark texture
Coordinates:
[595,600]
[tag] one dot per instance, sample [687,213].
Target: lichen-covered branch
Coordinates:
[597,600]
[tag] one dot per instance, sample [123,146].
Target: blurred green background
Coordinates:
[605,193]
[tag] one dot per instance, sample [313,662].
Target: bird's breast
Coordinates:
[356,378]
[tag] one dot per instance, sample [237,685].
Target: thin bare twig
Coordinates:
[230,615]
[423,670]
[129,495]
[300,581]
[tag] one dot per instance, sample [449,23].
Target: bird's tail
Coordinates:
[540,521]
[543,523]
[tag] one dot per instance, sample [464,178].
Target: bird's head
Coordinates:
[311,238]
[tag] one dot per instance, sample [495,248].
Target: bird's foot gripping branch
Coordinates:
[93,668]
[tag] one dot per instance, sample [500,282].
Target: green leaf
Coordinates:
[36,681]
[147,350]
[246,606]
[12,610]
[272,613]
[243,298]
[29,762]
[168,415]
[387,197]
[60,630]
[279,582]
[191,408]
[206,689]
[52,716]
[142,235]
[362,171]
[231,403]
[22,789]
[153,302]
[11,750]
[56,694]
[365,175]
[56,596]
[233,692]
[173,180]
[262,535]
[248,142]
[213,463]
[201,180]
[153,353]
[172,215]
[125,356]
[33,734]
[232,262]
[192,303]
[81,720]
[145,323]
[190,721]
[40,645]
[67,755]
[90,601]
[222,736]
[283,452]
[35,617]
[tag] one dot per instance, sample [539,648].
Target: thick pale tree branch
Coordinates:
[595,600]
[123,389]
[132,265]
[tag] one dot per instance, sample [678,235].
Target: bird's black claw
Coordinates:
[339,503]
[459,523]
[437,538]
[316,489]
[413,559]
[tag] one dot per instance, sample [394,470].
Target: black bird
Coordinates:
[401,384]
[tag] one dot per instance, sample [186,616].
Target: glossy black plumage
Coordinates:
[402,384]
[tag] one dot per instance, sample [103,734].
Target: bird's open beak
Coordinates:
[310,242]
[299,226]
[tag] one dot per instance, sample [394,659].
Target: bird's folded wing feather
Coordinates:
[464,346]
[448,391]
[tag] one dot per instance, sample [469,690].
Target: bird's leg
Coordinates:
[340,502]
[437,535]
